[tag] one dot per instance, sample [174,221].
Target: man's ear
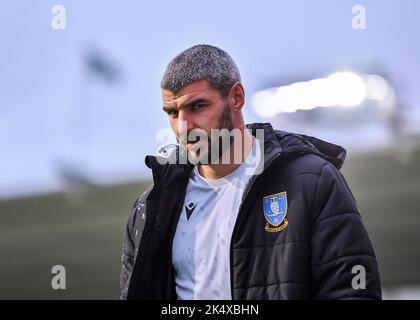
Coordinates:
[236,96]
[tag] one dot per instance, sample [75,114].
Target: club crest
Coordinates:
[275,211]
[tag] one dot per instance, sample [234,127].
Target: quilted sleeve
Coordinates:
[343,263]
[132,236]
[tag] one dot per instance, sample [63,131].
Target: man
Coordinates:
[274,219]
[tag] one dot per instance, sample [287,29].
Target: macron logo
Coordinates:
[189,209]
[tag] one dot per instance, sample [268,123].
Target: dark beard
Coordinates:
[224,122]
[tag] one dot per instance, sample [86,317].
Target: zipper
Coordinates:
[246,192]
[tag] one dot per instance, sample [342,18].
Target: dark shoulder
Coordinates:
[301,164]
[139,206]
[143,197]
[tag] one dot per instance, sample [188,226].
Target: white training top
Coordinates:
[201,246]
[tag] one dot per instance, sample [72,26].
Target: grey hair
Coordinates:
[201,62]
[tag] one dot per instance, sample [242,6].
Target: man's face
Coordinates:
[196,109]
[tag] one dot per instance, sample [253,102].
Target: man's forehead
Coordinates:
[193,90]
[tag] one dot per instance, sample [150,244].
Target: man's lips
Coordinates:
[191,143]
[194,146]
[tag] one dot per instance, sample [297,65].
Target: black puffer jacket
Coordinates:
[311,258]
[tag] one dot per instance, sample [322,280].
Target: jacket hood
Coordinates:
[276,141]
[168,170]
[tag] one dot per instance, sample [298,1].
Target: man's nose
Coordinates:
[185,123]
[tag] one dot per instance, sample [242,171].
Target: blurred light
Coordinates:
[344,89]
[378,88]
[264,103]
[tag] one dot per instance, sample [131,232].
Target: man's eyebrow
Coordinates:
[196,101]
[169,109]
[187,105]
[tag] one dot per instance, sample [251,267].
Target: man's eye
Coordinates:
[173,114]
[197,106]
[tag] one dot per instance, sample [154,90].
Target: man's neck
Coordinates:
[217,171]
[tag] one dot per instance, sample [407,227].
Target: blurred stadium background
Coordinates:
[80,108]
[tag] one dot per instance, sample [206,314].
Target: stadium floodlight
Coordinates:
[343,89]
[378,87]
[347,89]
